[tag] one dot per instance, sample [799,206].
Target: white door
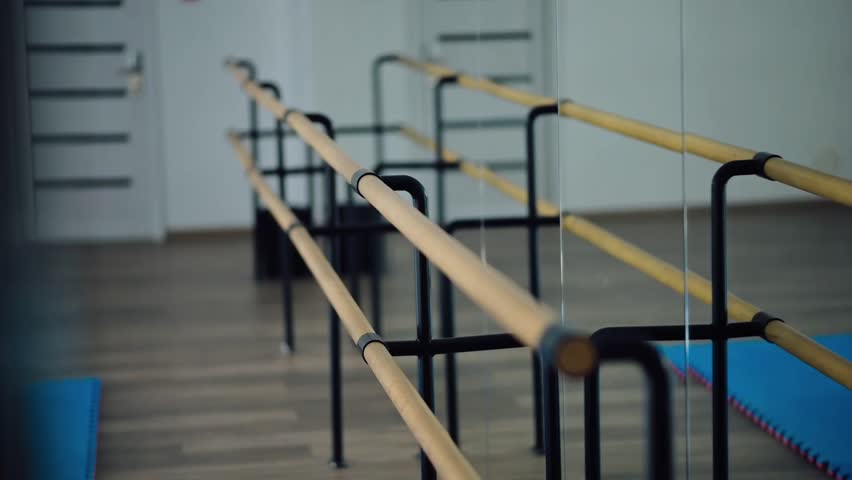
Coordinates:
[95,162]
[499,39]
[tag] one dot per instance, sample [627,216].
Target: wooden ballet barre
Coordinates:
[449,462]
[780,333]
[807,179]
[510,305]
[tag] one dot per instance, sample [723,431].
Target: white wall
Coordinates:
[346,36]
[205,185]
[769,75]
[319,52]
[764,74]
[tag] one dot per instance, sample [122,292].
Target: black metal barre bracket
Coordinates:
[367,339]
[289,112]
[425,369]
[719,285]
[763,319]
[293,226]
[356,179]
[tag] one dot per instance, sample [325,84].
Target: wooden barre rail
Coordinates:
[829,363]
[430,434]
[807,179]
[515,309]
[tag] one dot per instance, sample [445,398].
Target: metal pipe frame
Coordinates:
[335,371]
[281,172]
[445,286]
[719,279]
[254,149]
[660,333]
[659,414]
[336,394]
[288,345]
[425,369]
[379,128]
[418,417]
[543,379]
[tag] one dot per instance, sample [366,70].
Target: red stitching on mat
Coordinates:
[751,415]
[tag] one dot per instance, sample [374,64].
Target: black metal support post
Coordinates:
[351,260]
[288,344]
[659,422]
[550,426]
[425,370]
[438,105]
[337,460]
[445,287]
[249,66]
[540,376]
[288,341]
[719,280]
[335,371]
[379,152]
[309,164]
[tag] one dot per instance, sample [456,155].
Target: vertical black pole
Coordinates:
[379,151]
[279,139]
[539,374]
[334,322]
[448,331]
[351,243]
[376,281]
[425,368]
[719,280]
[426,374]
[378,114]
[592,425]
[288,344]
[720,318]
[438,105]
[334,333]
[446,289]
[309,162]
[551,425]
[255,151]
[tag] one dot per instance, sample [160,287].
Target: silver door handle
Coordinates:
[133,69]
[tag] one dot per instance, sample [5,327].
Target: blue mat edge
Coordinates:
[93,427]
[93,388]
[752,414]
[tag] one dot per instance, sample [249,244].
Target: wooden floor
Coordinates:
[187,346]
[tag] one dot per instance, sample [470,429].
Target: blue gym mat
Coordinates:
[63,422]
[798,406]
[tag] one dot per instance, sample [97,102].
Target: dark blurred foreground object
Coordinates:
[16,270]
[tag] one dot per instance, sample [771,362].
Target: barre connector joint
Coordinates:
[356,178]
[763,319]
[367,339]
